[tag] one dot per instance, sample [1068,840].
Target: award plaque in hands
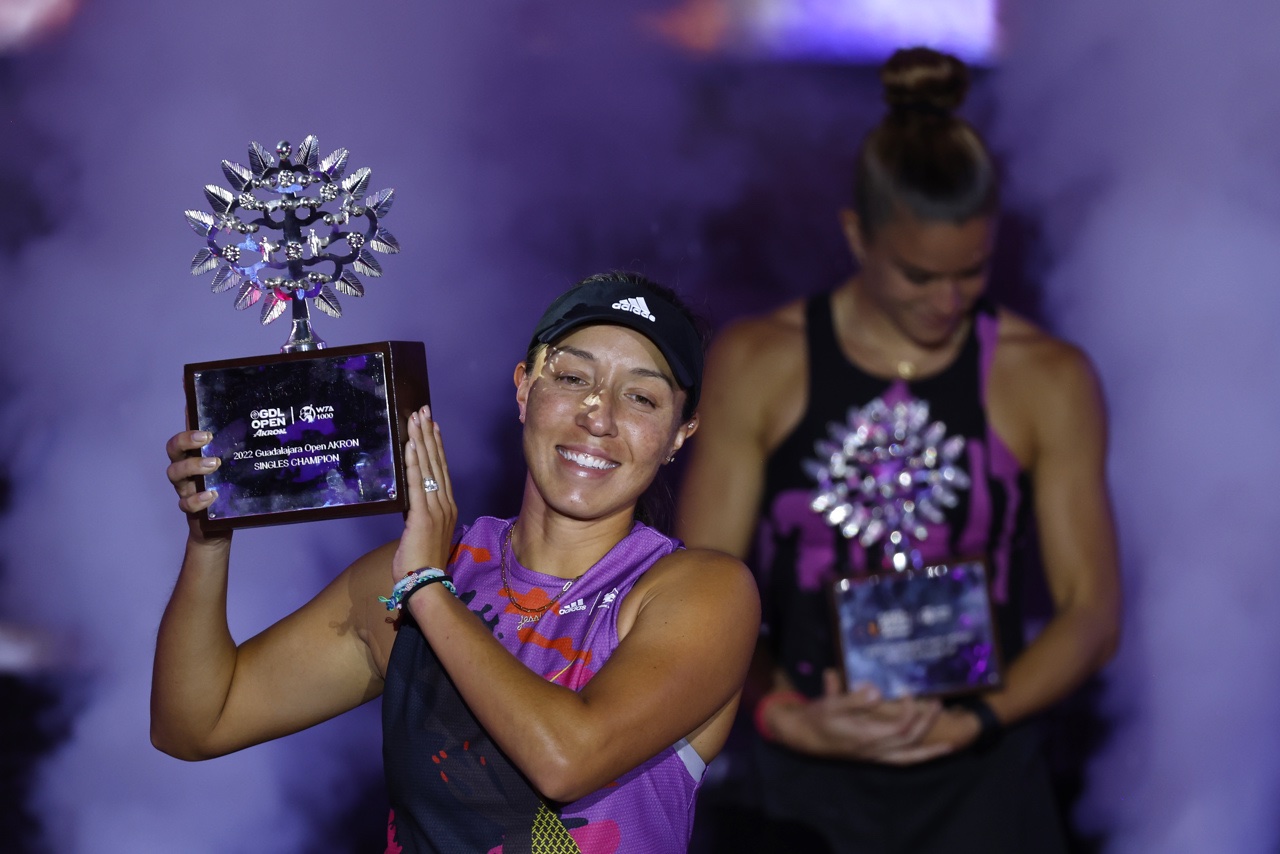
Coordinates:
[313,432]
[907,628]
[920,632]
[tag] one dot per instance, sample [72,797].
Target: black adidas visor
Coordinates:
[636,307]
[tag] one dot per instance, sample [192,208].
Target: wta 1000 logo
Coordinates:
[275,420]
[311,413]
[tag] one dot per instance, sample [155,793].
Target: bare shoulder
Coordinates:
[755,377]
[762,341]
[1039,365]
[702,574]
[1043,391]
[703,566]
[716,584]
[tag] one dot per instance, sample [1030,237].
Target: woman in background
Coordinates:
[911,775]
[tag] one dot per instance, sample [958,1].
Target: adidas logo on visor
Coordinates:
[635,305]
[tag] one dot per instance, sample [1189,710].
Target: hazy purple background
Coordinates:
[531,143]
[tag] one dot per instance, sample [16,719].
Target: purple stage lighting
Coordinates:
[25,22]
[834,30]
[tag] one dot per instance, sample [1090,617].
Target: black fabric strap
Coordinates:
[990,727]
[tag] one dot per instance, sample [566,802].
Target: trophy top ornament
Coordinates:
[884,473]
[271,238]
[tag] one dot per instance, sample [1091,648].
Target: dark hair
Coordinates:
[921,159]
[700,326]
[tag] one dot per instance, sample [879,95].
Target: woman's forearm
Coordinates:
[1072,647]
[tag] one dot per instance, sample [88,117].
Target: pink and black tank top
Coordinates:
[798,554]
[453,790]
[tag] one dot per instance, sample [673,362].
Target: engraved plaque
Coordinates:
[309,435]
[919,632]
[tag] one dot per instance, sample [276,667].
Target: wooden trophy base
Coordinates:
[306,436]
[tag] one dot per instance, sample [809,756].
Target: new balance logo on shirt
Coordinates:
[635,305]
[573,606]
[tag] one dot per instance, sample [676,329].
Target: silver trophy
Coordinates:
[314,431]
[906,627]
[275,254]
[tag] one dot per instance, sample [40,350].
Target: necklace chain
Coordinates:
[532,615]
[906,369]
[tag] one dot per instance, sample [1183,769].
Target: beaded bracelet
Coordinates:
[406,586]
[772,699]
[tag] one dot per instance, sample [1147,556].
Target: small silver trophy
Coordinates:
[314,431]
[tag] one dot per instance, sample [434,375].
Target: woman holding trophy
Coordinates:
[555,681]
[983,421]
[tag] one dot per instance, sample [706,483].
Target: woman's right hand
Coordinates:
[185,465]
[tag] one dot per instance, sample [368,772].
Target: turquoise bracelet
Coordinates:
[406,586]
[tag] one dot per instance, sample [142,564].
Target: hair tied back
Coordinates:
[923,81]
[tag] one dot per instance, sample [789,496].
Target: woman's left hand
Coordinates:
[429,524]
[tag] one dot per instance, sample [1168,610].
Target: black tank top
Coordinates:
[798,554]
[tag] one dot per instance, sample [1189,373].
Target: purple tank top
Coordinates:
[452,790]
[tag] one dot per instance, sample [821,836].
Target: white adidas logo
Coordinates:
[573,606]
[635,305]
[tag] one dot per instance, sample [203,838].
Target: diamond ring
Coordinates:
[429,484]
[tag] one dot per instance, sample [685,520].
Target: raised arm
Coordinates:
[211,697]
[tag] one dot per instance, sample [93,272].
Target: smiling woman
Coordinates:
[599,410]
[554,681]
[631,371]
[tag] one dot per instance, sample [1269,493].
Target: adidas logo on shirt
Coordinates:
[573,606]
[635,305]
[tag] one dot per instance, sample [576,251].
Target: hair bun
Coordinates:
[920,79]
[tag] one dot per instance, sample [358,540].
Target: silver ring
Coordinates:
[429,484]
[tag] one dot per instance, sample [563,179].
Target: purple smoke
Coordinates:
[531,143]
[1140,135]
